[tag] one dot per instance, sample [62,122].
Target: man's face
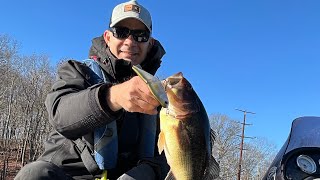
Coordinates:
[128,48]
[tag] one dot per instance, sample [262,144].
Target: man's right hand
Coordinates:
[133,96]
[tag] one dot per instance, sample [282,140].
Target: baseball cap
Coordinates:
[131,9]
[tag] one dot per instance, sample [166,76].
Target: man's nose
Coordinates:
[130,41]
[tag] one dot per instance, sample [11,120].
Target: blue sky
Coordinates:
[261,56]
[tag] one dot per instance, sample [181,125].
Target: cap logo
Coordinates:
[132,7]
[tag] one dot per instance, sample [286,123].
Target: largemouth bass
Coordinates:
[186,136]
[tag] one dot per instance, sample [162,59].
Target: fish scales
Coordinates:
[185,147]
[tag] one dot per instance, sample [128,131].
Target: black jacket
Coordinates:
[76,106]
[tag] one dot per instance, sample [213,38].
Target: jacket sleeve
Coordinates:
[76,104]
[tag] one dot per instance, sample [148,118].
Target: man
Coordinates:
[78,105]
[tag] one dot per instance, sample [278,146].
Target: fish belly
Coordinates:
[185,147]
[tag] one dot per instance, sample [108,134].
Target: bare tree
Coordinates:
[9,75]
[226,144]
[257,156]
[37,80]
[24,85]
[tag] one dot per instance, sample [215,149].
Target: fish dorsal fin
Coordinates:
[213,169]
[170,176]
[212,137]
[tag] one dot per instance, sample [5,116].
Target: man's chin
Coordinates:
[133,61]
[128,59]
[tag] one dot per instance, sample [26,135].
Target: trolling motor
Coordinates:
[299,157]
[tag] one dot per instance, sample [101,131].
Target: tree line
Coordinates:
[24,83]
[25,80]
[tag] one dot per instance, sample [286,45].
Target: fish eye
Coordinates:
[174,80]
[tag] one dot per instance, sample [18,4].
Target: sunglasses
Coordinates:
[123,32]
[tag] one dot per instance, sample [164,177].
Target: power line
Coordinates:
[242,138]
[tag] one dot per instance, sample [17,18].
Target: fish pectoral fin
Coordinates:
[212,170]
[170,176]
[161,142]
[163,145]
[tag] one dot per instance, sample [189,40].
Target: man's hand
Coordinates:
[133,96]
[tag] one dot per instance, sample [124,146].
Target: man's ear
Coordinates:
[151,43]
[106,36]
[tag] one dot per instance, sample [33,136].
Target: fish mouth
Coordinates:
[172,80]
[182,98]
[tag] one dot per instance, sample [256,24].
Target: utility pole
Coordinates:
[242,139]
